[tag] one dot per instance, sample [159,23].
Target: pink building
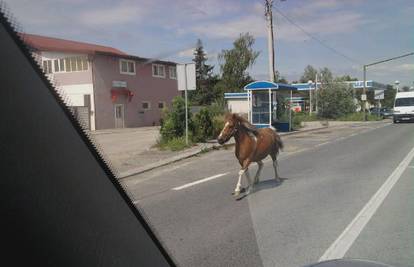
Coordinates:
[104,86]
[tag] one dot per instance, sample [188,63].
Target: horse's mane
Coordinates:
[247,125]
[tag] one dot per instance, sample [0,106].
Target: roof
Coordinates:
[44,43]
[266,85]
[370,85]
[235,95]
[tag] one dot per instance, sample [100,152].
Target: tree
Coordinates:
[235,62]
[309,74]
[335,99]
[279,78]
[405,88]
[346,78]
[326,76]
[389,97]
[204,94]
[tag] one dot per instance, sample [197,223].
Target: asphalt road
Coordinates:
[330,175]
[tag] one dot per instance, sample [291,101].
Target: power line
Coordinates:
[316,38]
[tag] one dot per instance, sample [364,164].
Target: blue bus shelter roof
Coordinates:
[266,85]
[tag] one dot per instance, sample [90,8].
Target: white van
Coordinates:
[404,107]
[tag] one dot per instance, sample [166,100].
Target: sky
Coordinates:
[364,31]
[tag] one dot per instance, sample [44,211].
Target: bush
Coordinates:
[203,123]
[174,144]
[173,122]
[359,116]
[218,124]
[335,100]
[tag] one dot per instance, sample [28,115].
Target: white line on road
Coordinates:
[200,181]
[341,245]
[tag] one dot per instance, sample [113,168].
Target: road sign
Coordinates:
[186,80]
[363,97]
[186,76]
[379,94]
[119,84]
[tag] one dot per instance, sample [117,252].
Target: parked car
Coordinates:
[383,112]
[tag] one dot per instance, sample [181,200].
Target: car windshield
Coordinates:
[249,133]
[404,102]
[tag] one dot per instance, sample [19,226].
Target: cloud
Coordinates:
[342,22]
[111,15]
[186,53]
[405,67]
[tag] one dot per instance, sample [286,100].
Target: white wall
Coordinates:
[46,55]
[238,105]
[75,97]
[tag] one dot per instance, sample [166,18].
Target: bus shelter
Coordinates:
[262,102]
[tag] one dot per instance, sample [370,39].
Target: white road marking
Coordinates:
[341,245]
[324,143]
[200,181]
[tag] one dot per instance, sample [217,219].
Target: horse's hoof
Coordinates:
[236,193]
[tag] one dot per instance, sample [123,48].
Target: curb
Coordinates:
[205,148]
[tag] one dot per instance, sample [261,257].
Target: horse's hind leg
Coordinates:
[274,158]
[259,171]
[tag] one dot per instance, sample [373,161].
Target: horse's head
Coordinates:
[233,123]
[229,129]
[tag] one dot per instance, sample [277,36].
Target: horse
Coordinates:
[252,145]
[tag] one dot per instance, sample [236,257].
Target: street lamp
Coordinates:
[310,82]
[396,85]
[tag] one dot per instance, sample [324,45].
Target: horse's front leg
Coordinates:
[238,185]
[244,170]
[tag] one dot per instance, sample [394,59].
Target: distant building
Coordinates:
[238,102]
[106,87]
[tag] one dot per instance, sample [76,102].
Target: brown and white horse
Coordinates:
[252,145]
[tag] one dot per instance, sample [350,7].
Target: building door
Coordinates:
[119,115]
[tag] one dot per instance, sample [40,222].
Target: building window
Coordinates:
[161,105]
[127,66]
[146,105]
[173,72]
[47,66]
[158,70]
[59,65]
[69,64]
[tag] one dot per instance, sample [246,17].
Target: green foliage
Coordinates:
[309,74]
[358,116]
[326,76]
[279,78]
[205,80]
[218,124]
[174,144]
[217,108]
[389,97]
[335,100]
[173,122]
[203,129]
[235,62]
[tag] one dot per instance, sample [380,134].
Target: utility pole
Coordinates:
[270,43]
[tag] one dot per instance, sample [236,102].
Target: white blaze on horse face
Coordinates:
[225,127]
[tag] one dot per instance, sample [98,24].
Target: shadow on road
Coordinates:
[263,185]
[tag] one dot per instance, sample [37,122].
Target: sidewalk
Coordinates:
[131,150]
